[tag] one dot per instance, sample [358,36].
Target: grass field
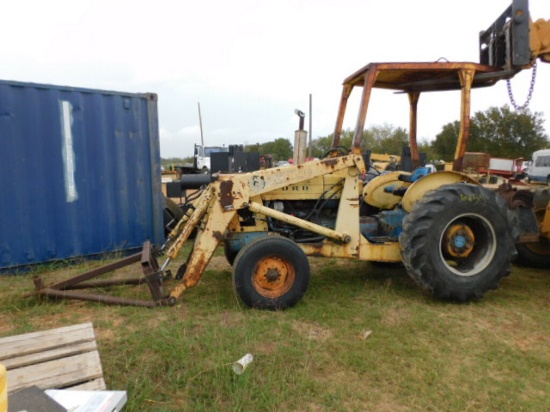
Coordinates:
[363,338]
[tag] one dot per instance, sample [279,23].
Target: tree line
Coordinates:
[499,131]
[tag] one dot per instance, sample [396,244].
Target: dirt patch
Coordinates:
[218,263]
[312,331]
[395,317]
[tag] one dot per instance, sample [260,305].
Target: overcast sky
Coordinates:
[250,63]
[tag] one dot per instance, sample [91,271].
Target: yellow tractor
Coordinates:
[455,238]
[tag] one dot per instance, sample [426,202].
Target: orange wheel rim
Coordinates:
[273,277]
[459,241]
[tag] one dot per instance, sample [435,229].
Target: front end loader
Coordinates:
[455,238]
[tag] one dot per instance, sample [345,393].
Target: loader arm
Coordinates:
[219,204]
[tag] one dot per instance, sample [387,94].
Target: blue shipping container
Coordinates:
[79,170]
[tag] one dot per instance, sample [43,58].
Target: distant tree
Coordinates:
[506,133]
[424,146]
[500,132]
[321,145]
[280,148]
[346,138]
[444,145]
[379,139]
[170,162]
[388,139]
[252,148]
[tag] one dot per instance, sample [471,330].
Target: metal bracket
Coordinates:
[151,275]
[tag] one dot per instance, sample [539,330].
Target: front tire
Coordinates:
[271,273]
[457,242]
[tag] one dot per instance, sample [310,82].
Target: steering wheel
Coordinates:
[336,151]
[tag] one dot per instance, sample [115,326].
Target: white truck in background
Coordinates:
[203,154]
[539,169]
[201,160]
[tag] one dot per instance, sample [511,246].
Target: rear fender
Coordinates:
[431,182]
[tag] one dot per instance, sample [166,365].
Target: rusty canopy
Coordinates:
[424,76]
[413,79]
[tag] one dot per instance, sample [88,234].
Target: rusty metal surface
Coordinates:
[226,194]
[151,275]
[105,283]
[191,223]
[263,181]
[466,77]
[69,283]
[516,198]
[414,78]
[216,221]
[424,76]
[413,103]
[91,297]
[476,160]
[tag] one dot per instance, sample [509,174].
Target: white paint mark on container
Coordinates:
[69,167]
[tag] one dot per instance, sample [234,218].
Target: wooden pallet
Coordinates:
[62,358]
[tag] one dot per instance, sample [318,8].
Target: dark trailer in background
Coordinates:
[79,173]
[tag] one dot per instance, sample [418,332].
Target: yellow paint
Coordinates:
[431,182]
[347,220]
[374,192]
[545,225]
[380,252]
[3,389]
[449,241]
[540,39]
[309,189]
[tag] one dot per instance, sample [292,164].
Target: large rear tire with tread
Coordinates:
[537,254]
[271,272]
[458,241]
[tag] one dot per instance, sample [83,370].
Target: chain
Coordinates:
[529,95]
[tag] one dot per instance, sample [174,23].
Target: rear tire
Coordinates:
[458,241]
[271,273]
[535,254]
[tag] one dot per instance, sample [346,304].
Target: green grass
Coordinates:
[421,355]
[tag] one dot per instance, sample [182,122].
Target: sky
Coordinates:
[250,63]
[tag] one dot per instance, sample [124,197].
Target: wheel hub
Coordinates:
[271,275]
[459,241]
